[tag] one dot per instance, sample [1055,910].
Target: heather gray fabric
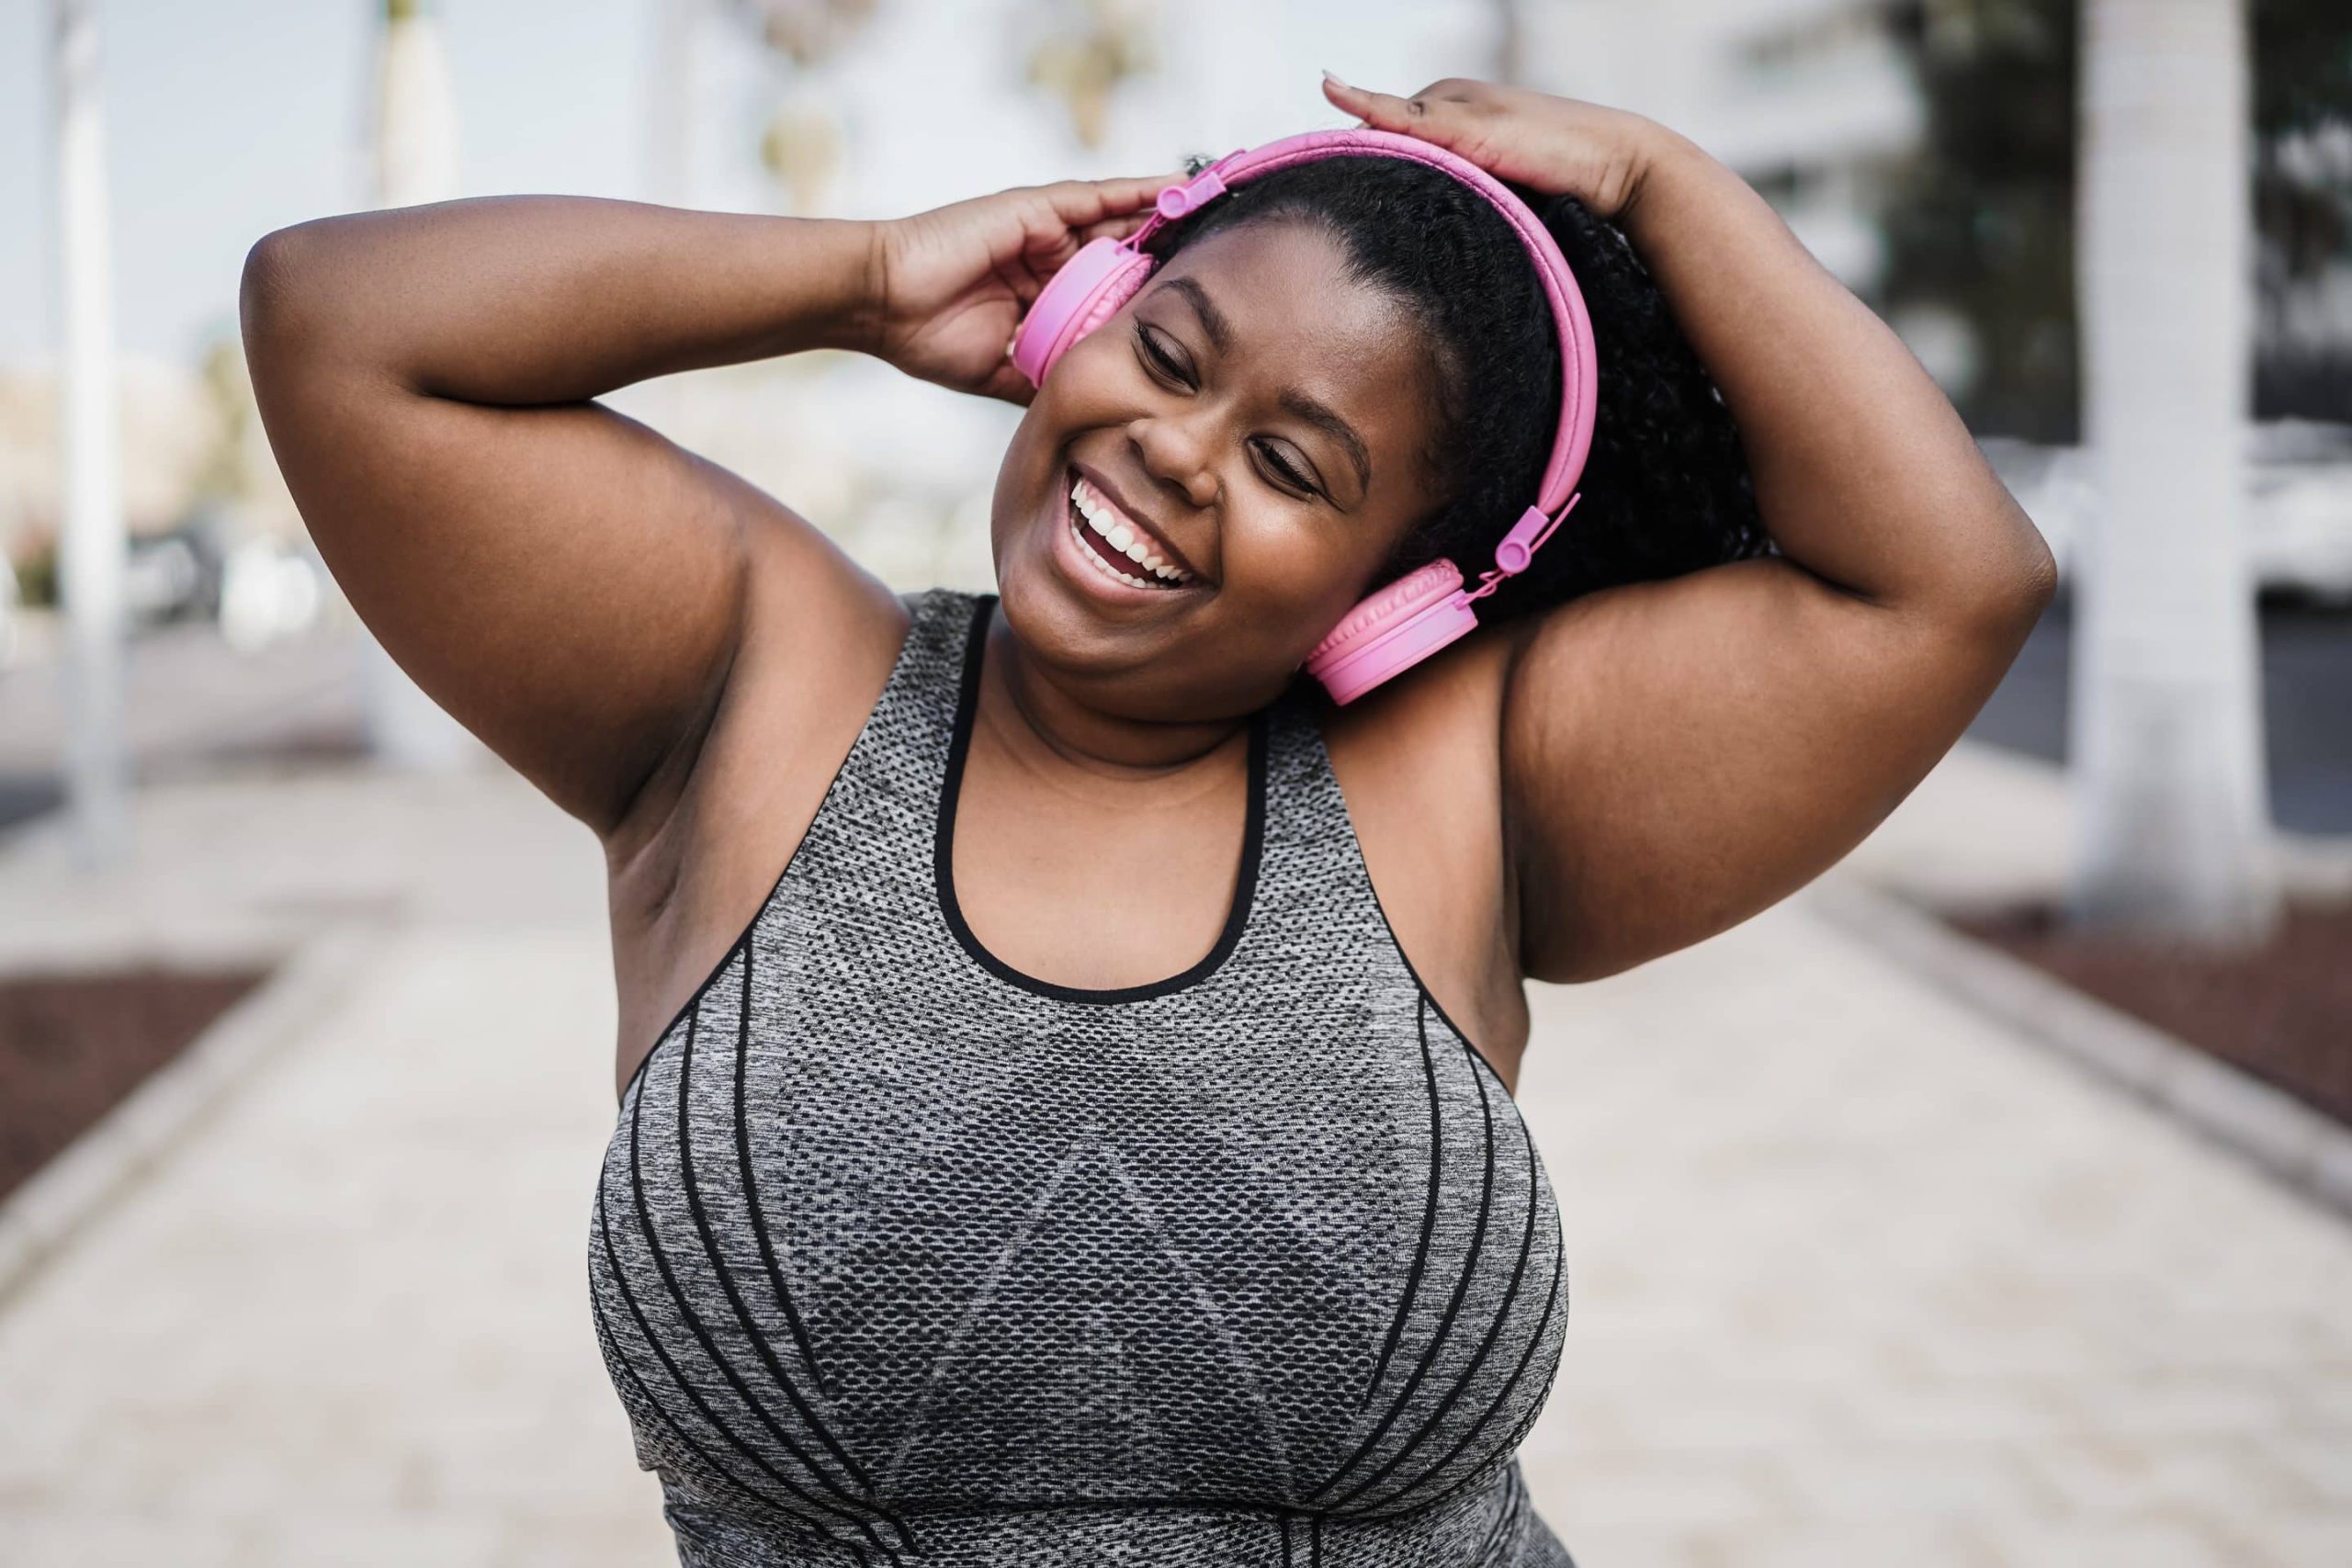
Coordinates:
[901,1255]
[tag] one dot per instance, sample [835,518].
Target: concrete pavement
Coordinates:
[1855,1276]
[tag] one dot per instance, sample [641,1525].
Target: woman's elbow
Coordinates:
[2012,582]
[269,296]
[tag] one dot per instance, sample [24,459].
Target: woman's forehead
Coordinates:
[1289,281]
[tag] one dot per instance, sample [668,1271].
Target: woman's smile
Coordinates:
[1103,549]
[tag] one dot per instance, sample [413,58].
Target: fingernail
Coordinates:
[1327,76]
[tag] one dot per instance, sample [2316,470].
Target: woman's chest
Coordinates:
[1290,1243]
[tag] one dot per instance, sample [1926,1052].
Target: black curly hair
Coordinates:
[1665,488]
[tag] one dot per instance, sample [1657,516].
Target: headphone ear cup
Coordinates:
[1086,292]
[1392,629]
[1117,289]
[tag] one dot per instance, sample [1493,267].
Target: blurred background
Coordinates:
[1987,1203]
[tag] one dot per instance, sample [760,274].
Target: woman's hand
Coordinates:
[952,283]
[1598,155]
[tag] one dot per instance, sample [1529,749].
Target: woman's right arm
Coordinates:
[570,585]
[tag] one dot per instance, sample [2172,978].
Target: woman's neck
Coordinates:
[1064,741]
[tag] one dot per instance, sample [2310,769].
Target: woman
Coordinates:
[1059,1159]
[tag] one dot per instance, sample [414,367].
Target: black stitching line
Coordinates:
[628,1297]
[1551,1299]
[1452,1307]
[1494,1331]
[662,1261]
[735,1297]
[1428,1218]
[767,1254]
[620,1359]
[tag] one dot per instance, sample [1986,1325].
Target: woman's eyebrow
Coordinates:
[1323,419]
[1212,318]
[1319,416]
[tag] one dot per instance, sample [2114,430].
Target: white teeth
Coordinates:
[1107,569]
[1123,536]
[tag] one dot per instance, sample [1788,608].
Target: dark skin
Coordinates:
[680,661]
[1108,746]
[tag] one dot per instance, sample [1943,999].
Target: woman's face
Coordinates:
[1253,408]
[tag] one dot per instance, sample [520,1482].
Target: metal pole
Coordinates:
[92,537]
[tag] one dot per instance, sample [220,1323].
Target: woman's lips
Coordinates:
[1099,547]
[1112,508]
[1120,510]
[1089,574]
[1093,521]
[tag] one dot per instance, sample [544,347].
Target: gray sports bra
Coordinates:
[901,1255]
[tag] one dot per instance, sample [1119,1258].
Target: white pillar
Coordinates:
[668,152]
[415,161]
[91,542]
[2167,735]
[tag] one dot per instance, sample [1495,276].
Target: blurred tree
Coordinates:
[2302,203]
[806,32]
[221,477]
[801,146]
[1089,48]
[801,149]
[1980,218]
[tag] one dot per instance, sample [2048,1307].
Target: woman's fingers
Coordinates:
[1425,114]
[1457,114]
[1007,384]
[1080,203]
[1112,228]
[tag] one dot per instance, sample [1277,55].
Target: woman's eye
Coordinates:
[1289,472]
[1160,358]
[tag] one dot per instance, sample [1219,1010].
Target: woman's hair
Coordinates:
[1665,487]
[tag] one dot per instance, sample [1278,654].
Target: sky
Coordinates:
[231,118]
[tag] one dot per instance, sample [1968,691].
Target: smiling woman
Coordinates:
[1066,1063]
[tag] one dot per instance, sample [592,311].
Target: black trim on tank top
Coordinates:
[1390,926]
[743,938]
[1428,996]
[1245,893]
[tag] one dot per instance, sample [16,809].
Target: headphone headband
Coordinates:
[1428,608]
[1579,366]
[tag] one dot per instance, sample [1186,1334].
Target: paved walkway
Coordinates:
[1857,1279]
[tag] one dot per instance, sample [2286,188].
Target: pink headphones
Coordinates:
[1403,623]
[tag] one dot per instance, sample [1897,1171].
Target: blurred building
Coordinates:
[172,427]
[1808,99]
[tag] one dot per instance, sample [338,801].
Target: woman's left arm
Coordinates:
[1679,755]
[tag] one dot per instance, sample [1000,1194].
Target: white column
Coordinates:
[415,161]
[93,541]
[669,128]
[2166,736]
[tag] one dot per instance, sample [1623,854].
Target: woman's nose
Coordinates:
[1177,454]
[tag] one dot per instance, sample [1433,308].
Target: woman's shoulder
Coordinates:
[1418,762]
[1436,726]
